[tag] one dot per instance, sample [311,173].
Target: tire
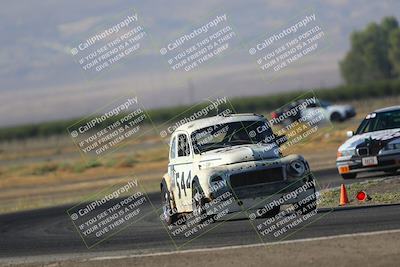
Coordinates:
[336,117]
[198,202]
[170,216]
[347,176]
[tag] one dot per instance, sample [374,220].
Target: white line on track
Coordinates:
[245,246]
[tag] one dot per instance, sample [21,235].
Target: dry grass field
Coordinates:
[46,172]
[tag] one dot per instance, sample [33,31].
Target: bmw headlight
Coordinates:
[346,153]
[297,168]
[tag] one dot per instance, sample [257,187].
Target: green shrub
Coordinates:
[127,162]
[44,169]
[86,165]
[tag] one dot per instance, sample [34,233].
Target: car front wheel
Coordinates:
[198,203]
[336,117]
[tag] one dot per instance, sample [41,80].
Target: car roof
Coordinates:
[392,108]
[219,119]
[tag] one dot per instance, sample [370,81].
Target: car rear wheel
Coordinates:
[336,117]
[347,176]
[170,216]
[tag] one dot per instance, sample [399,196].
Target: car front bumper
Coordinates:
[257,196]
[355,165]
[283,197]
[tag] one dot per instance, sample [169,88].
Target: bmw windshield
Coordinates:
[231,134]
[380,121]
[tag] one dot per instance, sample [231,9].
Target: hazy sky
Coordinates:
[40,79]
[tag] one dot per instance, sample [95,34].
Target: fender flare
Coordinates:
[166,181]
[195,180]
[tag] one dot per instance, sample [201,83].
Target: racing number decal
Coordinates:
[188,180]
[182,185]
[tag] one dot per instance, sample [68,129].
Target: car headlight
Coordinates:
[346,153]
[297,168]
[393,146]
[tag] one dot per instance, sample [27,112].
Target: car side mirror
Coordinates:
[349,134]
[280,139]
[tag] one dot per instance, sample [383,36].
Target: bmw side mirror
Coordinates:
[349,134]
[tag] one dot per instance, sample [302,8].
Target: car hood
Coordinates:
[242,153]
[383,137]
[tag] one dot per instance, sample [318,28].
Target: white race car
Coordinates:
[239,152]
[375,146]
[335,113]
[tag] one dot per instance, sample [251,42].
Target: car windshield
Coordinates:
[380,121]
[231,134]
[324,104]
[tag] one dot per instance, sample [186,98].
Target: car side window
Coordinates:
[183,146]
[172,153]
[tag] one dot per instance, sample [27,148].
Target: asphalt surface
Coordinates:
[50,231]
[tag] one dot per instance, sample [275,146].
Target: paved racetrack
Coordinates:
[50,231]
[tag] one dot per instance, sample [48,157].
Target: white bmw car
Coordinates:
[375,146]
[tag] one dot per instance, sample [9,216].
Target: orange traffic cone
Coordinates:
[343,196]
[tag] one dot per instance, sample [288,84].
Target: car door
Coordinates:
[172,158]
[181,171]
